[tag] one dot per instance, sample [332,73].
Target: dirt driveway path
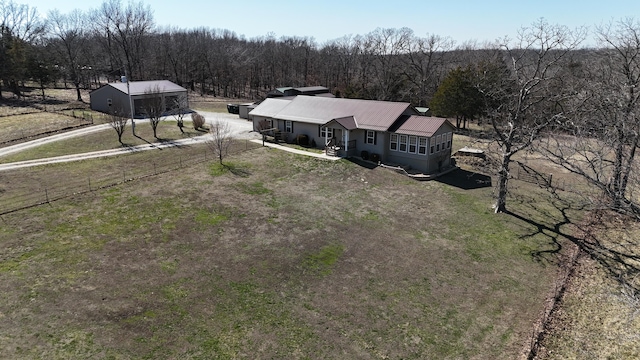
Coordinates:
[240,129]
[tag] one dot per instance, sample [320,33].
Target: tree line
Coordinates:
[86,49]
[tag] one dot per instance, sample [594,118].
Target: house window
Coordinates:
[403,143]
[413,144]
[432,148]
[449,140]
[444,141]
[288,126]
[422,146]
[326,132]
[438,139]
[393,145]
[371,137]
[109,102]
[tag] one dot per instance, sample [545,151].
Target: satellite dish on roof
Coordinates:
[123,79]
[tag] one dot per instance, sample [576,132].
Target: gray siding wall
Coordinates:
[428,163]
[99,99]
[378,148]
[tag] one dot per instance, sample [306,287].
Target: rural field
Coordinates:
[283,256]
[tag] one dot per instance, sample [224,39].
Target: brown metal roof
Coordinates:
[348,122]
[420,125]
[371,114]
[142,87]
[270,107]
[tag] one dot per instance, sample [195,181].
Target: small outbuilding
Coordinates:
[116,95]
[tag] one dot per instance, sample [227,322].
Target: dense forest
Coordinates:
[85,49]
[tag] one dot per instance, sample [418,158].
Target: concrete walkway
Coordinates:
[297,151]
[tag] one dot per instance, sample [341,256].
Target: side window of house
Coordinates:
[422,146]
[438,139]
[433,145]
[393,144]
[444,141]
[413,144]
[109,102]
[371,137]
[449,140]
[403,143]
[288,126]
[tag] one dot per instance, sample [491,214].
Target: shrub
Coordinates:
[302,140]
[198,120]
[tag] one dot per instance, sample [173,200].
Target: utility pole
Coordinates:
[126,79]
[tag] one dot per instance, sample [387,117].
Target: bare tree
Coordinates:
[603,138]
[153,108]
[220,140]
[423,62]
[180,109]
[69,41]
[524,90]
[124,32]
[118,120]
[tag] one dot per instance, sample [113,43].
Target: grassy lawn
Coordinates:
[213,104]
[105,140]
[26,125]
[274,256]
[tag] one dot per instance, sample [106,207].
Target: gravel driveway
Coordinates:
[240,129]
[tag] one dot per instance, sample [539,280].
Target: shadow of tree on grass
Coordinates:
[466,180]
[607,237]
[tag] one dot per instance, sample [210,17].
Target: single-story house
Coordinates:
[109,96]
[393,133]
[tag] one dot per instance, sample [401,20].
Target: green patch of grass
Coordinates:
[209,218]
[371,215]
[256,188]
[228,167]
[323,261]
[303,148]
[170,266]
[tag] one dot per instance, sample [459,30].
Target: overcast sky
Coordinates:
[462,20]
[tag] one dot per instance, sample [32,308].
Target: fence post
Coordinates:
[46,195]
[124,178]
[550,179]
[89,178]
[154,169]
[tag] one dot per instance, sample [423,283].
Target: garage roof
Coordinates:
[142,87]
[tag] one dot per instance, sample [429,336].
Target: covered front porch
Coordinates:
[337,137]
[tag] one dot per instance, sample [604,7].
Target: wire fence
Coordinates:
[20,199]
